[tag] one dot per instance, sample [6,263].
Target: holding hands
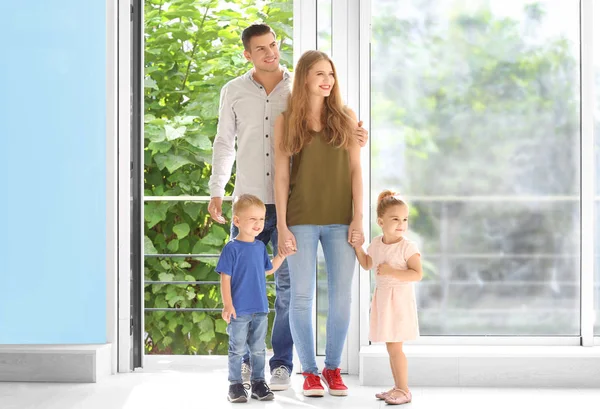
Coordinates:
[286,242]
[356,237]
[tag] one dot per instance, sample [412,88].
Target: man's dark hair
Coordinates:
[255,30]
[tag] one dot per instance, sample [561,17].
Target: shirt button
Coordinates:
[267,136]
[267,118]
[267,154]
[268,174]
[267,100]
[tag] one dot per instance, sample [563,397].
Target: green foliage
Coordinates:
[192,48]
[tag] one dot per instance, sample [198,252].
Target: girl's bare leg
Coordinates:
[399,365]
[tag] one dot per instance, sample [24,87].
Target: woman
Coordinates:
[318,199]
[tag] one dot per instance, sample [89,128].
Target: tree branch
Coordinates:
[194,49]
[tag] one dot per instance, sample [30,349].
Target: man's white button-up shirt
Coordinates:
[247,116]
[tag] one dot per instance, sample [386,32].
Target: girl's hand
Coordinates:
[385,269]
[228,312]
[286,242]
[357,239]
[355,229]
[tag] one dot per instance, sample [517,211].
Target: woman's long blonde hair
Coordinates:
[337,124]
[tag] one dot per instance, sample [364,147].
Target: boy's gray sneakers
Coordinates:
[280,379]
[246,372]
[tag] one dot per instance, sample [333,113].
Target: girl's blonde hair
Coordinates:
[387,199]
[337,123]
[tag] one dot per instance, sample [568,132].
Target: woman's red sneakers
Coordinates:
[312,385]
[334,382]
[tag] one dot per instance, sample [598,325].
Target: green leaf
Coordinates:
[160,147]
[155,212]
[173,245]
[174,133]
[206,324]
[185,120]
[148,246]
[150,83]
[171,161]
[198,317]
[221,326]
[165,277]
[199,140]
[202,248]
[193,209]
[173,301]
[181,230]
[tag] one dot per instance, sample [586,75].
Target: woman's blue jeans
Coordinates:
[340,261]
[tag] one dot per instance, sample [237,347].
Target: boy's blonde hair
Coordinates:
[387,199]
[246,201]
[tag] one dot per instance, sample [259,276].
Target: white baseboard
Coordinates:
[486,366]
[55,363]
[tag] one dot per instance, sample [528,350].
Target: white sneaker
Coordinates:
[280,379]
[246,372]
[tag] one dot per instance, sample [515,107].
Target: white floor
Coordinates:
[171,383]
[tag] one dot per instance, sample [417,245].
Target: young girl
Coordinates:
[393,308]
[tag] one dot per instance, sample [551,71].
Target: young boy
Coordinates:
[242,266]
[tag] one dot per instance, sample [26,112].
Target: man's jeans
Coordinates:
[340,260]
[247,332]
[281,336]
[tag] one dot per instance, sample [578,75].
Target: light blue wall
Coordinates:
[52,170]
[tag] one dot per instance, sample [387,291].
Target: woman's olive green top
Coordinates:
[320,185]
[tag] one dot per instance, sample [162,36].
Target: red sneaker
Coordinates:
[334,382]
[312,385]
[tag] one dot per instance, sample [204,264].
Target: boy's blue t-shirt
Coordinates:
[246,263]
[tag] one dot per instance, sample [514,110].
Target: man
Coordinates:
[248,108]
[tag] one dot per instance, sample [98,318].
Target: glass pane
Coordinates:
[191,50]
[324,26]
[475,120]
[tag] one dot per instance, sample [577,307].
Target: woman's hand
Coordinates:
[355,230]
[361,135]
[286,241]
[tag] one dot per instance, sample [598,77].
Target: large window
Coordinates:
[476,121]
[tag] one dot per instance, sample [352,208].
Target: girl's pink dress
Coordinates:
[393,307]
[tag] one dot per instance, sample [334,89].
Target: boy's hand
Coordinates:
[357,239]
[385,269]
[228,312]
